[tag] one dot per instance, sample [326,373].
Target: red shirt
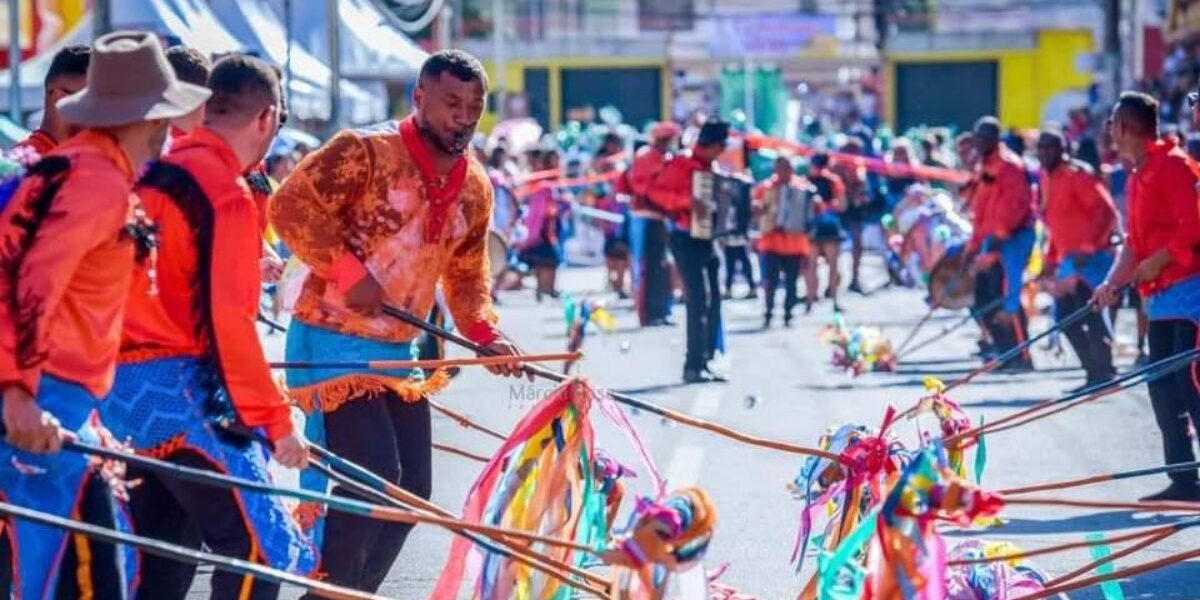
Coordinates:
[1078,212]
[646,167]
[1161,195]
[672,189]
[39,141]
[67,267]
[224,220]
[1002,200]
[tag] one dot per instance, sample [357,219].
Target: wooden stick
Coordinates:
[429,363]
[374,481]
[458,452]
[464,421]
[1165,506]
[1082,481]
[1118,574]
[690,421]
[521,554]
[186,555]
[1025,554]
[1150,541]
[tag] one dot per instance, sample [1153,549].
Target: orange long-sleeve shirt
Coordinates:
[67,267]
[39,141]
[1079,213]
[785,243]
[1002,201]
[1161,195]
[672,189]
[208,276]
[368,201]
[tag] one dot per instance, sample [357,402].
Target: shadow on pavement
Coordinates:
[1079,524]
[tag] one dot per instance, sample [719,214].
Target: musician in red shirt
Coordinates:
[696,258]
[1079,217]
[67,75]
[1002,241]
[1162,257]
[654,280]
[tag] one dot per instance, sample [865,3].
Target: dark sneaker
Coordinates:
[714,377]
[1015,367]
[855,288]
[1178,491]
[787,320]
[766,321]
[697,376]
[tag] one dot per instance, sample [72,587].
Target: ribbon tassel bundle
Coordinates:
[543,479]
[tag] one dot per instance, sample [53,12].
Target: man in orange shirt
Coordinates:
[386,214]
[654,281]
[1080,219]
[1002,240]
[191,356]
[1161,257]
[696,257]
[67,249]
[67,75]
[787,208]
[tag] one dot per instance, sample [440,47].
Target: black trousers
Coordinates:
[990,284]
[188,514]
[698,266]
[1176,395]
[775,266]
[1091,338]
[737,259]
[392,439]
[101,577]
[655,278]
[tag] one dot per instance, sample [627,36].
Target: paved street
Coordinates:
[783,387]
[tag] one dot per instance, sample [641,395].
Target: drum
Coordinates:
[497,251]
[951,285]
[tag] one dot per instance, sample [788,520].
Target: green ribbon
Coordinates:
[830,568]
[980,455]
[1110,589]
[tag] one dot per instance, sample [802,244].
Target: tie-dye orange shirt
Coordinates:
[368,202]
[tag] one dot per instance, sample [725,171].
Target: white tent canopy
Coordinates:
[370,48]
[256,26]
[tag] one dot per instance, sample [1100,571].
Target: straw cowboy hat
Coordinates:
[130,80]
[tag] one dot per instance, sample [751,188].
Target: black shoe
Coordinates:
[751,295]
[715,377]
[727,296]
[855,288]
[787,320]
[1179,491]
[766,321]
[698,376]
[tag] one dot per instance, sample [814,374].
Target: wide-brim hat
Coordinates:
[129,80]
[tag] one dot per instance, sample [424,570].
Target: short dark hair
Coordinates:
[71,61]
[242,85]
[819,160]
[988,126]
[190,65]
[1139,109]
[458,63]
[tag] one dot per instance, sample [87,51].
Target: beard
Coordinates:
[453,141]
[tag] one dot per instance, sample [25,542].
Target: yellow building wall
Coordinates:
[1028,77]
[514,80]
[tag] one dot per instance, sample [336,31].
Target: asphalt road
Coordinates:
[783,387]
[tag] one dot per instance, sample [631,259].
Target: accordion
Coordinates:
[788,209]
[720,205]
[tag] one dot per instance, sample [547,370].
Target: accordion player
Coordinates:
[720,205]
[787,208]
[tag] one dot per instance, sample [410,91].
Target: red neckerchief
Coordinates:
[440,192]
